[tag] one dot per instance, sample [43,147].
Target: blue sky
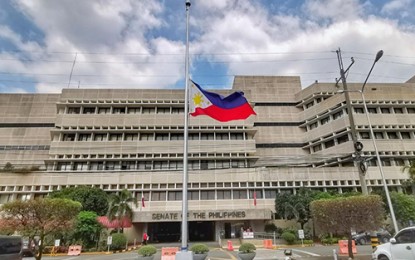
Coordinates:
[141,43]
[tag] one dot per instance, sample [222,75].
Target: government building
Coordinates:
[132,139]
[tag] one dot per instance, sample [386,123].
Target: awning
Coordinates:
[124,223]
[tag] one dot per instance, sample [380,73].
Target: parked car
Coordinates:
[363,238]
[10,247]
[28,248]
[401,246]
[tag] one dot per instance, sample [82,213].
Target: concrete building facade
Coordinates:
[132,139]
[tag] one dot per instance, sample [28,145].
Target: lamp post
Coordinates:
[379,162]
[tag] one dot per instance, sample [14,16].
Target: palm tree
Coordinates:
[410,169]
[119,207]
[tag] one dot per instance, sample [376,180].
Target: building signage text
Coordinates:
[200,215]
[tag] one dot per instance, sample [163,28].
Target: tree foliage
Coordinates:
[404,207]
[295,206]
[87,228]
[40,217]
[410,169]
[341,215]
[92,199]
[119,206]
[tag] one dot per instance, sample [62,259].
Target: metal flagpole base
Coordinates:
[184,255]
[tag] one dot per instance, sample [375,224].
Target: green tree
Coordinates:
[295,206]
[87,228]
[341,215]
[404,207]
[92,199]
[410,169]
[40,217]
[119,207]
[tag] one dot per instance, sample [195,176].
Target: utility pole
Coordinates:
[358,146]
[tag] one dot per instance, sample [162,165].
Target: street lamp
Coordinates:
[379,162]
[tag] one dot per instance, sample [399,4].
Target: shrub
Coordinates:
[199,248]
[247,248]
[270,227]
[118,241]
[147,250]
[289,237]
[330,241]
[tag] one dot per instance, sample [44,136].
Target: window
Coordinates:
[130,137]
[88,110]
[96,166]
[386,162]
[342,139]
[206,136]
[174,137]
[378,135]
[316,148]
[239,194]
[162,137]
[398,110]
[100,137]
[104,110]
[80,166]
[222,136]
[134,110]
[258,194]
[392,135]
[110,166]
[337,115]
[365,135]
[163,110]
[385,110]
[148,110]
[64,166]
[84,137]
[224,194]
[406,135]
[372,110]
[270,194]
[193,195]
[207,195]
[118,110]
[146,137]
[175,195]
[129,165]
[115,137]
[329,144]
[313,125]
[325,120]
[406,236]
[176,165]
[177,110]
[74,110]
[399,162]
[194,136]
[358,110]
[237,136]
[68,137]
[158,196]
[410,110]
[308,105]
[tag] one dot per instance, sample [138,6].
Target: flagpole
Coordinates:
[186,126]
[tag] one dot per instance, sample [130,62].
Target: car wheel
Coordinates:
[383,257]
[361,241]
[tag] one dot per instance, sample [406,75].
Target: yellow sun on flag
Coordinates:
[198,99]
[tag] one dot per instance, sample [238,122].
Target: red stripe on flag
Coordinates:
[142,202]
[254,198]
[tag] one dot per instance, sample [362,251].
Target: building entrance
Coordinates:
[201,231]
[163,232]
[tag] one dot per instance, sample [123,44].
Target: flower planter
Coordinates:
[246,256]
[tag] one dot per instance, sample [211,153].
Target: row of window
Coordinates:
[121,110]
[70,137]
[24,147]
[150,165]
[360,110]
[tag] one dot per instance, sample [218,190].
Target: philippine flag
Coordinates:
[224,109]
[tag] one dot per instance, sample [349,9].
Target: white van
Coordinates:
[11,247]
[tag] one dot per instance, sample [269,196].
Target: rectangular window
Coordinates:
[115,137]
[372,110]
[104,110]
[68,137]
[329,144]
[96,166]
[146,137]
[398,110]
[162,137]
[410,110]
[406,135]
[317,148]
[337,115]
[148,110]
[378,135]
[237,136]
[74,110]
[224,195]
[100,137]
[84,137]
[399,162]
[240,194]
[342,139]
[128,165]
[118,110]
[175,137]
[270,194]
[194,136]
[158,196]
[88,110]
[177,110]
[222,136]
[313,125]
[358,110]
[385,110]
[163,110]
[325,120]
[207,195]
[130,137]
[365,135]
[175,195]
[134,110]
[392,135]
[193,195]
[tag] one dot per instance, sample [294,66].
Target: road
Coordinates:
[306,253]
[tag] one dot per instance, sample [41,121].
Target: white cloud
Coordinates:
[396,6]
